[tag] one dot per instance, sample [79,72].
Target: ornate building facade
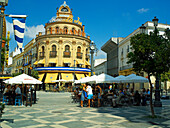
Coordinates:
[63,49]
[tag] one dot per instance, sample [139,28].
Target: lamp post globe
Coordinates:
[155,21]
[142,28]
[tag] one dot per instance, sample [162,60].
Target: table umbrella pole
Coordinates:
[26,95]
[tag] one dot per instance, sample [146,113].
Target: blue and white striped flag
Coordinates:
[19,26]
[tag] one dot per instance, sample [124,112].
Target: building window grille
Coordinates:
[67,52]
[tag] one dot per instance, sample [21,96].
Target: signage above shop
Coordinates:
[68,19]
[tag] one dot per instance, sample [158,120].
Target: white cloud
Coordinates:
[100,55]
[33,30]
[30,31]
[142,10]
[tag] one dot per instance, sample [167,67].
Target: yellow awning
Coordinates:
[54,60]
[66,60]
[79,62]
[50,77]
[8,77]
[87,63]
[36,62]
[41,61]
[41,75]
[67,76]
[80,76]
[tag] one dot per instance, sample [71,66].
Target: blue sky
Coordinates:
[102,19]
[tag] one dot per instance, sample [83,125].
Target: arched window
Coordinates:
[53,48]
[53,53]
[73,31]
[65,30]
[43,49]
[57,30]
[67,48]
[42,52]
[86,50]
[78,49]
[50,30]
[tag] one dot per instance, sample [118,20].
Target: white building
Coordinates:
[100,66]
[118,48]
[124,46]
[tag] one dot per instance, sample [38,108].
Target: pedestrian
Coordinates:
[83,95]
[99,91]
[18,90]
[89,94]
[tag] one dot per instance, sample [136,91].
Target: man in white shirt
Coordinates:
[17,90]
[89,95]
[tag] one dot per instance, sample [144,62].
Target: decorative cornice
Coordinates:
[74,42]
[63,36]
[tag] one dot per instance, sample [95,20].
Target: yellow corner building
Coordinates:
[63,49]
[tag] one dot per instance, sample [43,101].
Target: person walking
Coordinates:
[99,91]
[89,94]
[83,95]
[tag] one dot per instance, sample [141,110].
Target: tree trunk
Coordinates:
[151,105]
[166,90]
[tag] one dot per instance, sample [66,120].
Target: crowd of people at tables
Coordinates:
[11,92]
[96,93]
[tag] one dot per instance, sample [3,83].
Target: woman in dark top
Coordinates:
[137,98]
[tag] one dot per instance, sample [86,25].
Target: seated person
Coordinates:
[118,99]
[147,94]
[7,90]
[137,98]
[143,97]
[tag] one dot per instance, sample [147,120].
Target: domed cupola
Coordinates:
[64,12]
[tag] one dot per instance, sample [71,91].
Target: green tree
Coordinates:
[34,73]
[150,53]
[164,78]
[16,74]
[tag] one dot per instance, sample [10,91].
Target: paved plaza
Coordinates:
[55,110]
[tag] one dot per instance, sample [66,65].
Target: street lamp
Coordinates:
[142,28]
[74,73]
[93,49]
[157,102]
[155,21]
[3,3]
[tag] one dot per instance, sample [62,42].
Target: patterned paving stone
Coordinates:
[55,110]
[76,124]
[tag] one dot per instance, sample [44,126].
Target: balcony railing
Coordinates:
[87,56]
[79,55]
[53,53]
[67,53]
[42,54]
[126,67]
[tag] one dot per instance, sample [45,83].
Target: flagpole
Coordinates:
[1,33]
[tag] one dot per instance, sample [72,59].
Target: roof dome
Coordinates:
[64,4]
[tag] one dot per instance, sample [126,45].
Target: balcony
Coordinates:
[79,55]
[42,55]
[126,67]
[53,54]
[23,62]
[67,53]
[87,56]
